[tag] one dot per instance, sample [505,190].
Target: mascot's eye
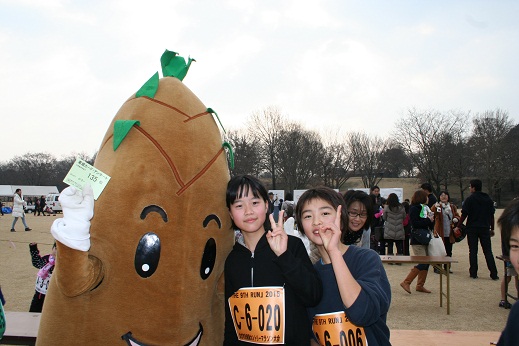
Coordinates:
[147,255]
[208,259]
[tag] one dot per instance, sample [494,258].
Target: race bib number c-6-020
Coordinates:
[258,314]
[336,329]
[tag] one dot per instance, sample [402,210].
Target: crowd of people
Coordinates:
[314,255]
[341,231]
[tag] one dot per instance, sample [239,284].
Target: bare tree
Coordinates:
[366,154]
[246,153]
[298,154]
[459,159]
[265,127]
[424,136]
[487,143]
[396,162]
[335,160]
[34,168]
[511,160]
[336,165]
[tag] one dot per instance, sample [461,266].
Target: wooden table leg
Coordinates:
[448,289]
[441,284]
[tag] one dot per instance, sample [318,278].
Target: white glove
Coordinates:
[73,230]
[455,220]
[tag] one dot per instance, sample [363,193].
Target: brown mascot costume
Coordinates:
[147,268]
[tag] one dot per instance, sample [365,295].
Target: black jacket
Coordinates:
[418,222]
[479,210]
[292,269]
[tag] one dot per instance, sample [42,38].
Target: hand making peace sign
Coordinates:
[330,233]
[277,238]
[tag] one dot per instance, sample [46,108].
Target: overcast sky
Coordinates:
[67,66]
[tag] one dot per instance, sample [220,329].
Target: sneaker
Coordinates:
[505,304]
[473,277]
[28,229]
[495,278]
[12,230]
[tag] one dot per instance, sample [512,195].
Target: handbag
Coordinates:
[436,247]
[421,235]
[462,234]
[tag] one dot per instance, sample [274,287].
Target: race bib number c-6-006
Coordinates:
[258,314]
[336,329]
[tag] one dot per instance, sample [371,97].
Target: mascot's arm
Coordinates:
[76,271]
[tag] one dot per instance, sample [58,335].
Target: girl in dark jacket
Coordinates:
[45,264]
[269,279]
[420,217]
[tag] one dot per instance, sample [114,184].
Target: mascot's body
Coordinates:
[153,274]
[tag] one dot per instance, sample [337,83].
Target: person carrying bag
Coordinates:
[436,246]
[422,235]
[421,219]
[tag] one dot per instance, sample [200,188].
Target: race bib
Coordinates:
[336,329]
[258,314]
[42,284]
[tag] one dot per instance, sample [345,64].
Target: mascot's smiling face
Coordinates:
[160,227]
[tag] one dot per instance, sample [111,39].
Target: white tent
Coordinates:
[27,191]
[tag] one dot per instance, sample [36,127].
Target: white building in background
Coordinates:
[28,192]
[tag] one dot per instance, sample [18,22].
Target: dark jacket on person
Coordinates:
[510,334]
[431,199]
[292,270]
[479,210]
[418,222]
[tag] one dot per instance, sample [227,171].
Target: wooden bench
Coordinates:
[437,262]
[21,328]
[442,337]
[506,261]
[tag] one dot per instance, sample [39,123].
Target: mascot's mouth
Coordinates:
[131,341]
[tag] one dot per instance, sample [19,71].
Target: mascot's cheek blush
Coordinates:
[147,255]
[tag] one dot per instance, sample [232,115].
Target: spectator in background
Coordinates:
[407,227]
[394,215]
[445,217]
[360,213]
[18,209]
[36,204]
[510,272]
[288,209]
[431,198]
[377,223]
[45,264]
[288,202]
[274,205]
[419,220]
[509,222]
[40,206]
[479,211]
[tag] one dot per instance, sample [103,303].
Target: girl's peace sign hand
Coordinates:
[277,238]
[330,233]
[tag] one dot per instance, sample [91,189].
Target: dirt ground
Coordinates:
[474,303]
